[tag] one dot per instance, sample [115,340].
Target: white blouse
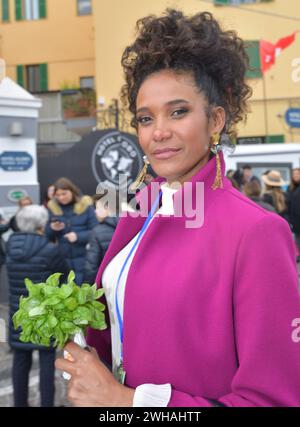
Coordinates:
[146,395]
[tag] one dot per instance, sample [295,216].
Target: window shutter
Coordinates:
[271,139]
[42,9]
[20,75]
[18,9]
[253,52]
[5,10]
[44,77]
[218,2]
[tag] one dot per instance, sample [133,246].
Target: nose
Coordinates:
[161,134]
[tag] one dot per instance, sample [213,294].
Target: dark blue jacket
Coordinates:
[98,244]
[29,255]
[79,218]
[294,210]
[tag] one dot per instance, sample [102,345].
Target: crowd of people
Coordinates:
[71,231]
[269,192]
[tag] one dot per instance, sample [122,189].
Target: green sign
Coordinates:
[16,194]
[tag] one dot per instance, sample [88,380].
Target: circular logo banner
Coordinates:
[116,153]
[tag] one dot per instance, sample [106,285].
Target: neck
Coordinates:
[191,172]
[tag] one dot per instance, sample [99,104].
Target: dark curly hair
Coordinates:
[197,44]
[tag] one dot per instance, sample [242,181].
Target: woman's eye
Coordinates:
[179,112]
[143,119]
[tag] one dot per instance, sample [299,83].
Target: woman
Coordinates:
[204,318]
[71,220]
[273,193]
[29,254]
[252,189]
[49,195]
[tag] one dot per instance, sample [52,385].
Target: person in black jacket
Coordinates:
[294,205]
[71,220]
[30,255]
[100,237]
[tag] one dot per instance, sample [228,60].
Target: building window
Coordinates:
[253,51]
[33,78]
[87,82]
[30,10]
[84,7]
[5,10]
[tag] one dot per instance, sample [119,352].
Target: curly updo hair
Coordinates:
[196,44]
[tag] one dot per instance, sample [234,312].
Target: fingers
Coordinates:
[75,350]
[65,365]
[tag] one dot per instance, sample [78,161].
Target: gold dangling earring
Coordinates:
[218,183]
[141,176]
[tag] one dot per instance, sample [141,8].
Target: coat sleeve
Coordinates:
[94,256]
[49,233]
[266,305]
[91,222]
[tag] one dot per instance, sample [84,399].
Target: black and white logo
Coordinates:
[116,153]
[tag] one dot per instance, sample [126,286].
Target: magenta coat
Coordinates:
[211,310]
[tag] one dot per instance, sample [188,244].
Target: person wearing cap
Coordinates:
[201,287]
[273,193]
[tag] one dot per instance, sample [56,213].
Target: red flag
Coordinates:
[267,55]
[269,51]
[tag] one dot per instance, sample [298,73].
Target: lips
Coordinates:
[166,153]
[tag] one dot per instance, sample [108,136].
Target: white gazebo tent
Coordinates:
[19,112]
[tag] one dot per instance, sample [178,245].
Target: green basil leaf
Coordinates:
[37,311]
[70,303]
[52,321]
[53,280]
[71,276]
[99,293]
[51,301]
[65,291]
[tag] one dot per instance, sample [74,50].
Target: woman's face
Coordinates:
[101,211]
[64,197]
[50,191]
[173,128]
[296,176]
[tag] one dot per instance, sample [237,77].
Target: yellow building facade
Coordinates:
[50,45]
[47,45]
[274,92]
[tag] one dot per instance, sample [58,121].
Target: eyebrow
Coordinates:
[173,102]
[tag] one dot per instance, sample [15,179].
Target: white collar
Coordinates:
[167,207]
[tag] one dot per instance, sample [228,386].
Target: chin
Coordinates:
[168,170]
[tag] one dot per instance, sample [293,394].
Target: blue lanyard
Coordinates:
[149,217]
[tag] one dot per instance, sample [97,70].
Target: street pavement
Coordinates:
[6,390]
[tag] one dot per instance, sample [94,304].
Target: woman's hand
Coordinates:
[92,384]
[57,226]
[72,237]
